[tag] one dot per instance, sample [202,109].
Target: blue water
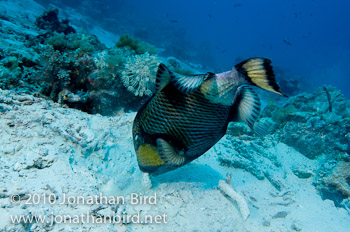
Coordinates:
[307,40]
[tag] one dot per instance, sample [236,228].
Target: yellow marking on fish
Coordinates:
[148,155]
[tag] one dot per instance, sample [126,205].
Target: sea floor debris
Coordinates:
[227,189]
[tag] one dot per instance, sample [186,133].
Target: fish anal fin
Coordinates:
[168,154]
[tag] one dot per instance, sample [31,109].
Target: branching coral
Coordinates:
[139,76]
[64,70]
[100,60]
[108,67]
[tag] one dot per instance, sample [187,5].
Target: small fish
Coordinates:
[237,5]
[287,42]
[173,21]
[188,115]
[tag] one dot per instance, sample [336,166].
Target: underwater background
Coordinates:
[307,40]
[73,75]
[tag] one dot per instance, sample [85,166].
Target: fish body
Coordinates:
[189,114]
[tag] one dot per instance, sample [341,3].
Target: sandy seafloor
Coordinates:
[49,150]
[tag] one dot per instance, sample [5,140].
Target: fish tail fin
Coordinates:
[258,71]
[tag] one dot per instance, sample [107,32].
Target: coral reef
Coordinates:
[251,154]
[139,76]
[315,124]
[312,124]
[64,70]
[140,47]
[86,43]
[49,22]
[180,67]
[76,69]
[333,182]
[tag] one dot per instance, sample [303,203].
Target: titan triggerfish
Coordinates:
[188,114]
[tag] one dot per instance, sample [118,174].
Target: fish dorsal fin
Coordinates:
[168,154]
[183,83]
[164,76]
[189,83]
[248,106]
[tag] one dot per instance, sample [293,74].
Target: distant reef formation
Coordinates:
[49,57]
[315,124]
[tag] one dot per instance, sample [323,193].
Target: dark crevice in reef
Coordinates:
[49,21]
[348,180]
[333,194]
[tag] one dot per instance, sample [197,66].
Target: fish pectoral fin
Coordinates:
[258,71]
[163,77]
[189,83]
[263,128]
[168,154]
[248,106]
